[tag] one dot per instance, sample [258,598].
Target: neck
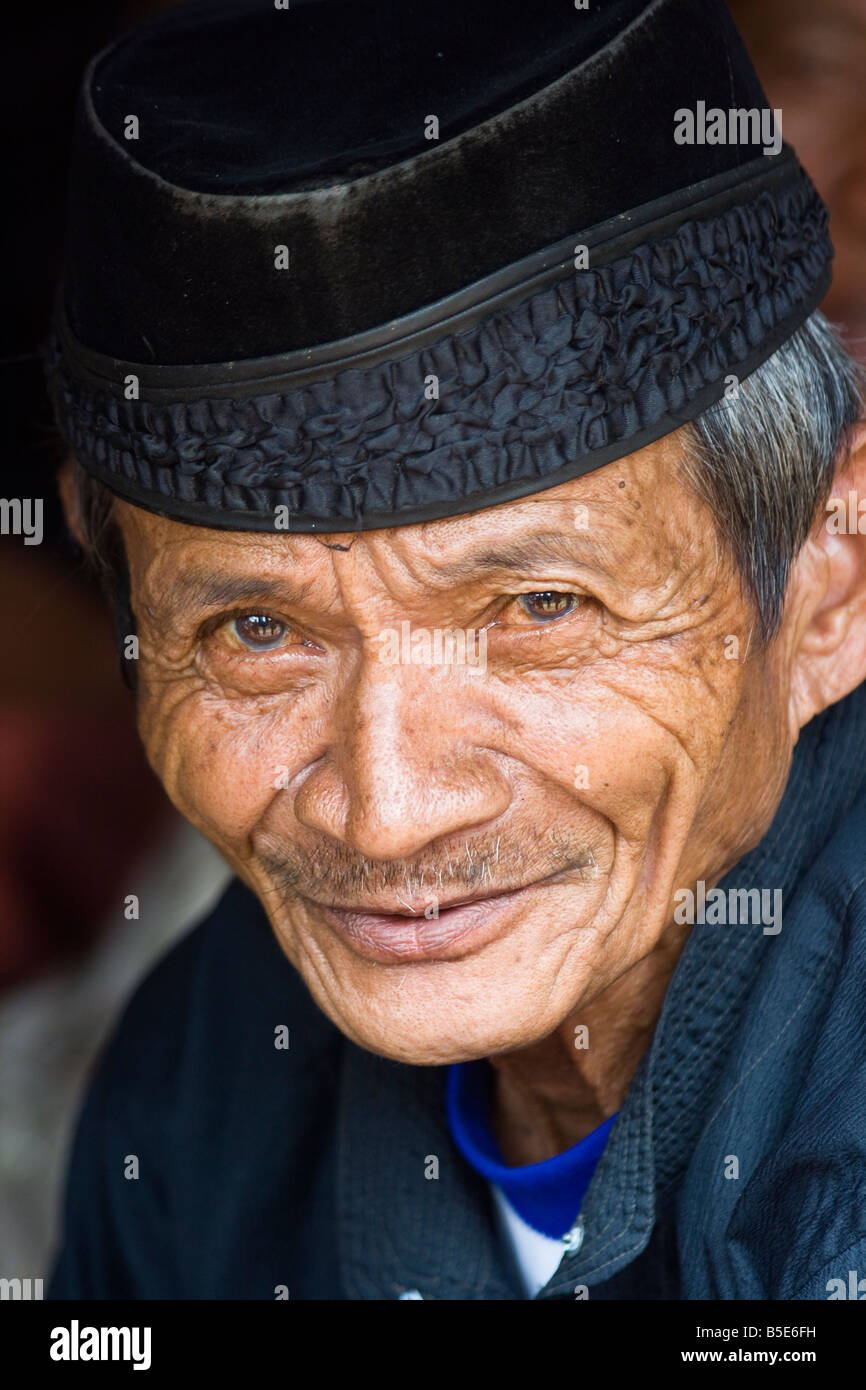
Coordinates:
[550,1095]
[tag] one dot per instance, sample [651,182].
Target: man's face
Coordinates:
[609,738]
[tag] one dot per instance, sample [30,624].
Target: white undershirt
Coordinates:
[537,1256]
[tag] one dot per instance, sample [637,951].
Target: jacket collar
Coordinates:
[412,1216]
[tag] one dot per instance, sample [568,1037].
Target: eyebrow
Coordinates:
[203,590]
[200,590]
[558,547]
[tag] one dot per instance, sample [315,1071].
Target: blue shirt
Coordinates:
[546,1195]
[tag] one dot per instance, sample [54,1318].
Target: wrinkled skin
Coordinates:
[327,776]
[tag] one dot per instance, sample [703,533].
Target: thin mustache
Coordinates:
[442,905]
[363,887]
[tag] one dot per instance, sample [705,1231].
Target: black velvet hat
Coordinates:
[374,262]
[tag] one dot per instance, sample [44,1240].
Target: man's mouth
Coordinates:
[429,928]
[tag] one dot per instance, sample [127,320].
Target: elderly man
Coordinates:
[457,439]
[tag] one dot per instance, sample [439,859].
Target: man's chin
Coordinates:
[435,1013]
[431,1045]
[480,978]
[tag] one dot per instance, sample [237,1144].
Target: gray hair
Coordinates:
[763,459]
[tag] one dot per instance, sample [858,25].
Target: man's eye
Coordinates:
[549,604]
[258,631]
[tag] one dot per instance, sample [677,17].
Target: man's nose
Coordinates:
[404,766]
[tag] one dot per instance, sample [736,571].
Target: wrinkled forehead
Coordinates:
[634,518]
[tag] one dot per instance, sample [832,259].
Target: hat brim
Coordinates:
[521,381]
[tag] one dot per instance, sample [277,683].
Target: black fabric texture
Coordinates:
[171,256]
[336,86]
[576,376]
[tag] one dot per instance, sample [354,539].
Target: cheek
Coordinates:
[221,763]
[612,737]
[615,737]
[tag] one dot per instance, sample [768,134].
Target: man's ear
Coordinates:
[69,499]
[829,580]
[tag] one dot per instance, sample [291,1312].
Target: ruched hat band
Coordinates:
[598,363]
